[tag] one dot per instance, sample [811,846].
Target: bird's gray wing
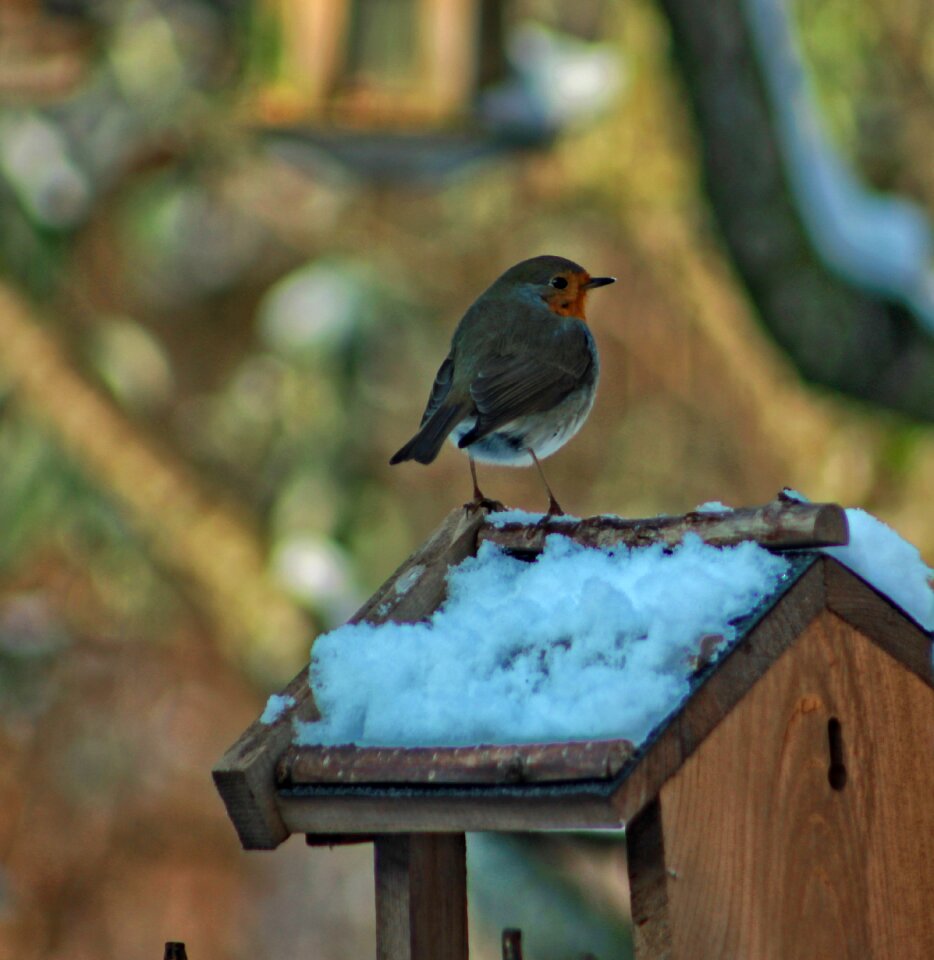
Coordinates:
[442,414]
[531,379]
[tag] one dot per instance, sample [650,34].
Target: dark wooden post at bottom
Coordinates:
[421,896]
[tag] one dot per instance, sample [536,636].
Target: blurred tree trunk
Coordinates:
[190,529]
[836,334]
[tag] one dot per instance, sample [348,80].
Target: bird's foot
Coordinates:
[484,503]
[554,509]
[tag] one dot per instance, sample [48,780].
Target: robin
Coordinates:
[521,374]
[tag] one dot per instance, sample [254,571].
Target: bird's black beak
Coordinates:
[598,282]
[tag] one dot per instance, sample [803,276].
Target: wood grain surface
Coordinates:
[771,854]
[421,896]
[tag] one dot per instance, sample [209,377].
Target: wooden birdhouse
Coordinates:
[784,809]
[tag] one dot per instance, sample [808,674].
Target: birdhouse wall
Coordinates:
[803,826]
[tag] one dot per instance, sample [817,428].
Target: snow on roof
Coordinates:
[276,705]
[581,643]
[892,565]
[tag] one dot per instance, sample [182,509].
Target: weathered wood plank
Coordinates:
[780,524]
[421,897]
[370,810]
[245,778]
[418,587]
[784,840]
[482,764]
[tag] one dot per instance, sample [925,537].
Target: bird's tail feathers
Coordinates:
[424,446]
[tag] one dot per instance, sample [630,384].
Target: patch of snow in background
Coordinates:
[582,643]
[877,241]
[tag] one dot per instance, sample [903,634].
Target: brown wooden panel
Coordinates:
[421,897]
[771,855]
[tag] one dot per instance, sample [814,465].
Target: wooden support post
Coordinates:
[648,891]
[512,944]
[421,896]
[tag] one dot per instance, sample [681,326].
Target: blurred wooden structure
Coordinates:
[384,62]
[44,54]
[781,812]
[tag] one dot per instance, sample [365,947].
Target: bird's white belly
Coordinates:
[544,433]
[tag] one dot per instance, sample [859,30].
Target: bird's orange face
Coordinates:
[567,292]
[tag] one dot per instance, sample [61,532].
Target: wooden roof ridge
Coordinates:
[417,587]
[273,787]
[782,524]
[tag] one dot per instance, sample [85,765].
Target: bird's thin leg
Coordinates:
[477,492]
[554,508]
[479,500]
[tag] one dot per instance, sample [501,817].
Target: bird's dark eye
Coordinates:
[559,282]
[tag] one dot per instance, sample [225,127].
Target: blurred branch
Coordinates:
[839,332]
[189,529]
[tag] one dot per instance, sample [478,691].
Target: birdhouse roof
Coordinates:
[274,786]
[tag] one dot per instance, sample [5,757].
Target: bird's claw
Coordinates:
[484,503]
[554,509]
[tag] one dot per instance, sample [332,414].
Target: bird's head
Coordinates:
[562,284]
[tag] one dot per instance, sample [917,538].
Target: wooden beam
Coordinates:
[421,896]
[780,525]
[436,766]
[245,775]
[648,885]
[419,585]
[410,810]
[512,944]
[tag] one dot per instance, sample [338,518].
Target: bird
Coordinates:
[521,375]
